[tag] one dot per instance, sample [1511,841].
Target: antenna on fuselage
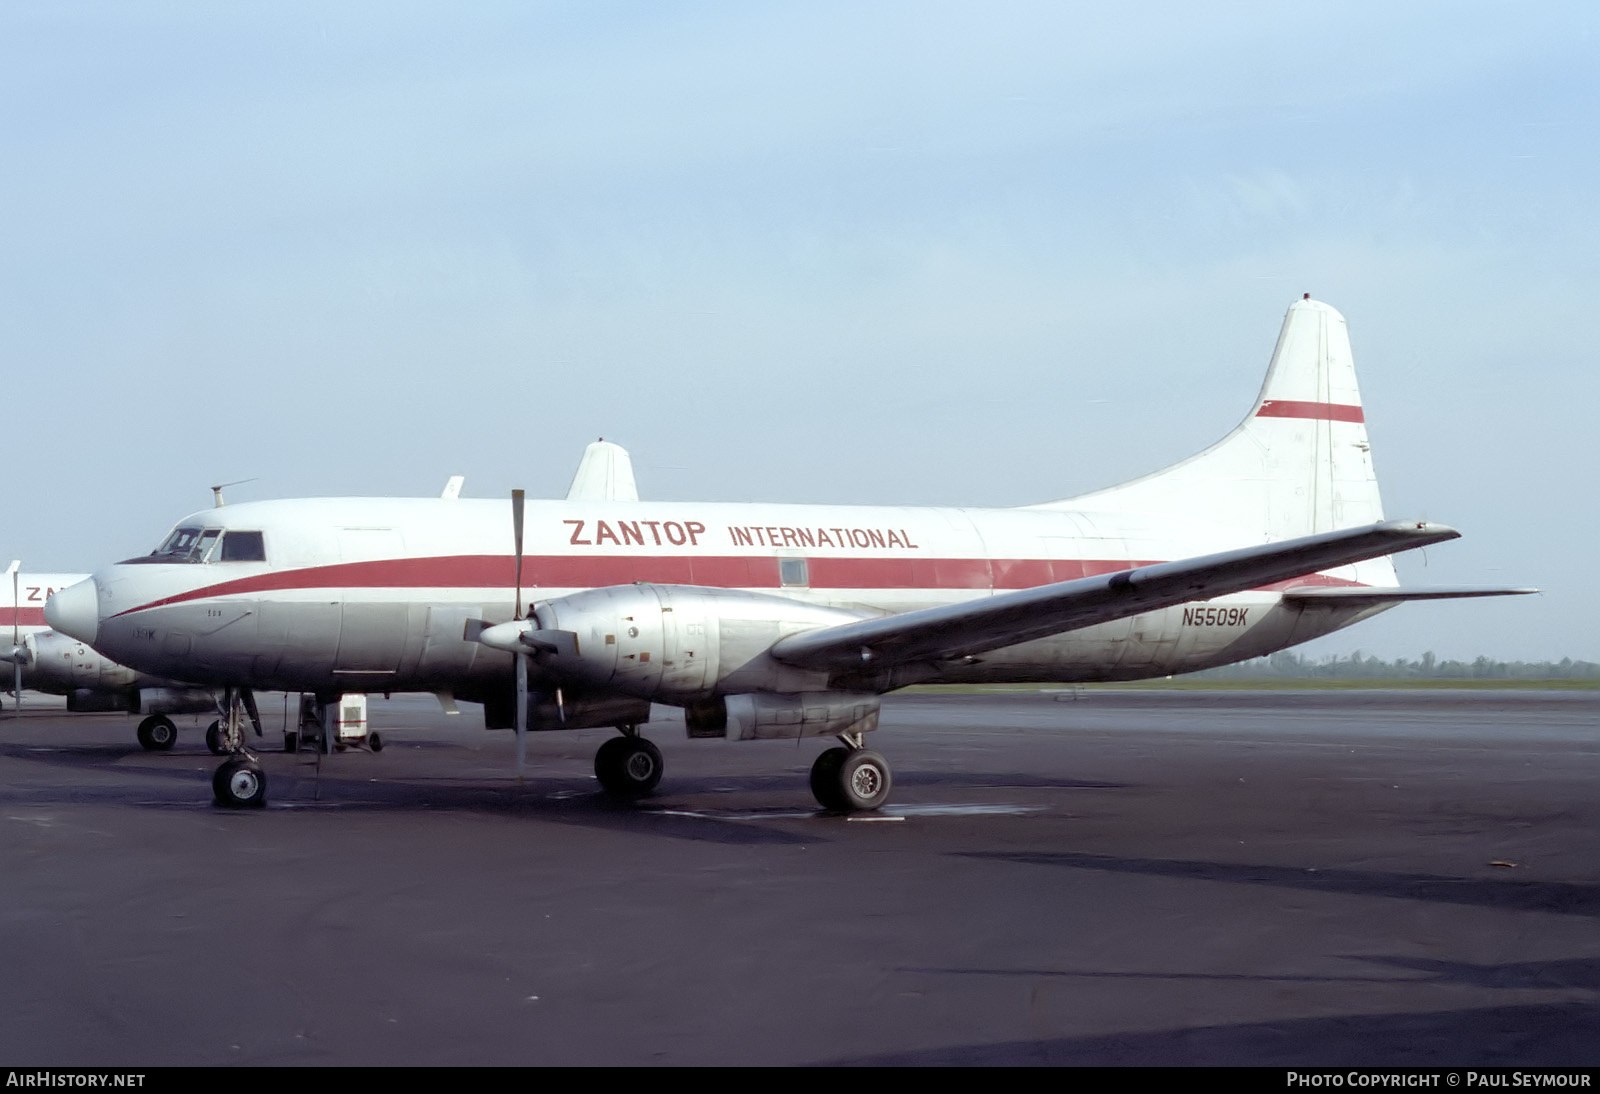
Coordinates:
[216,491]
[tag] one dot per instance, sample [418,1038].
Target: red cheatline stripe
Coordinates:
[20,617]
[720,571]
[1292,408]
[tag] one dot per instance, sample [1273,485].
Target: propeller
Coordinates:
[523,638]
[16,639]
[518,500]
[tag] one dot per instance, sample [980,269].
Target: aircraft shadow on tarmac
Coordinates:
[1559,897]
[1539,1035]
[1581,973]
[976,780]
[301,785]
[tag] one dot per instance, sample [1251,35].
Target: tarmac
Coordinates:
[1116,877]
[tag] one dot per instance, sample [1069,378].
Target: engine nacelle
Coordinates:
[93,701]
[677,643]
[63,666]
[175,701]
[573,712]
[764,715]
[141,700]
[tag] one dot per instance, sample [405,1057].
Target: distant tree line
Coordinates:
[1287,664]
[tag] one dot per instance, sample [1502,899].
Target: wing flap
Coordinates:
[961,630]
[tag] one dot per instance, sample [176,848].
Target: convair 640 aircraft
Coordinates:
[778,621]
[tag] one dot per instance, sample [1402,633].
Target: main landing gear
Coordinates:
[851,777]
[628,766]
[847,778]
[157,733]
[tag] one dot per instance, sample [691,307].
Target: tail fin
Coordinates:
[604,474]
[1298,465]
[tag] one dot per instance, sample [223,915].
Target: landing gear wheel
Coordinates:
[240,784]
[825,780]
[220,741]
[628,767]
[157,733]
[374,742]
[864,780]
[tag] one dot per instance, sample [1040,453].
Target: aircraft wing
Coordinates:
[1361,595]
[954,631]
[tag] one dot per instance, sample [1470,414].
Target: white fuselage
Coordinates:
[373,594]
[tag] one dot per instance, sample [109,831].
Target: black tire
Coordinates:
[240,784]
[291,741]
[607,758]
[825,780]
[157,733]
[628,767]
[374,742]
[864,780]
[216,740]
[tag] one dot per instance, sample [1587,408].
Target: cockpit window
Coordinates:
[179,546]
[243,547]
[208,545]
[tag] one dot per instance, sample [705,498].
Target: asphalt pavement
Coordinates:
[1279,878]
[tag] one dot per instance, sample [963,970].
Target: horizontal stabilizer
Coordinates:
[1364,595]
[953,631]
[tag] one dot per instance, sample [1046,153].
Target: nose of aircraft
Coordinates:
[75,611]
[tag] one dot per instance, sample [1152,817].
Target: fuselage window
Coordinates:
[792,571]
[243,547]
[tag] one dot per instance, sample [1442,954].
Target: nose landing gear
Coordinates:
[240,784]
[223,739]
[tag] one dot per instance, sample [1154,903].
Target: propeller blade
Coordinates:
[522,710]
[16,642]
[517,503]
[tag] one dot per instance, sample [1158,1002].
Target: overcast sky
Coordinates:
[922,253]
